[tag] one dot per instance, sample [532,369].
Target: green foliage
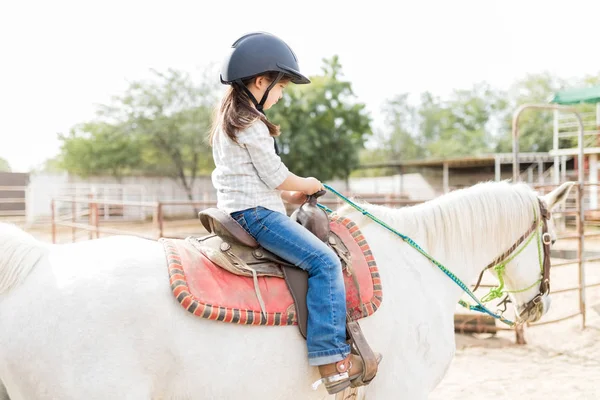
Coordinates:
[372,157]
[156,127]
[535,126]
[470,122]
[439,128]
[4,167]
[323,127]
[159,127]
[400,138]
[461,125]
[99,148]
[591,80]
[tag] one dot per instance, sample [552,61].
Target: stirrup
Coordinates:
[341,378]
[332,379]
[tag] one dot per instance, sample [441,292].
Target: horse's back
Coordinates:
[98,320]
[88,311]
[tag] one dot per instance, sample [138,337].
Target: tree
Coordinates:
[157,126]
[4,166]
[535,126]
[401,139]
[468,122]
[99,148]
[461,125]
[397,141]
[323,127]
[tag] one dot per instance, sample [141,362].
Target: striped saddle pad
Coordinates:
[209,291]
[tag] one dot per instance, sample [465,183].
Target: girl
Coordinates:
[251,181]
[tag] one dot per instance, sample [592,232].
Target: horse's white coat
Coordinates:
[97,320]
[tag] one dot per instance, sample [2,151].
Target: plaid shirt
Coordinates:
[247,174]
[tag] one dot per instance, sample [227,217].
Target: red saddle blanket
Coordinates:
[208,291]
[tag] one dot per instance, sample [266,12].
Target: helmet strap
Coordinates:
[259,105]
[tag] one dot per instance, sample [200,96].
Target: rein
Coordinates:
[498,263]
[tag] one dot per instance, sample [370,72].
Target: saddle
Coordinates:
[231,247]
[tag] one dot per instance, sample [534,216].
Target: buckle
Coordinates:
[545,287]
[546,238]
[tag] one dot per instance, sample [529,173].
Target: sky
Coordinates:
[60,59]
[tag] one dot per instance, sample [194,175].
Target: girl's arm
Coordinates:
[268,164]
[305,185]
[293,197]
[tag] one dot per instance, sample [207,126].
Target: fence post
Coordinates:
[158,218]
[90,216]
[73,218]
[53,220]
[520,334]
[580,251]
[96,220]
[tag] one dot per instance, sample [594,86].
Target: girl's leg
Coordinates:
[326,297]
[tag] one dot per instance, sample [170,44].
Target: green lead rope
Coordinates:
[480,307]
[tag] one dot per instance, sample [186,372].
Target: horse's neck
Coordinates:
[464,232]
[463,250]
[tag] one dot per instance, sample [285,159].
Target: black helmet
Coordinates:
[255,54]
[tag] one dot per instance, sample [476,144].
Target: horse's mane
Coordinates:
[492,207]
[19,252]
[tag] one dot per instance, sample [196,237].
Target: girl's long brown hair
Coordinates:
[237,112]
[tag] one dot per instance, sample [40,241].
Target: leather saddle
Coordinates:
[231,247]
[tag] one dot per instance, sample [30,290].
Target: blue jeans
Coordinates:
[326,297]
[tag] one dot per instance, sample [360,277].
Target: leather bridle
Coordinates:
[544,287]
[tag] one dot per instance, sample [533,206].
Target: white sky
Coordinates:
[59,59]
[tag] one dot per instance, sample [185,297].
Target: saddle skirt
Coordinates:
[209,291]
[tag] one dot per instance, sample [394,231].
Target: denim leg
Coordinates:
[326,297]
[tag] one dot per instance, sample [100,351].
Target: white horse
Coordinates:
[97,319]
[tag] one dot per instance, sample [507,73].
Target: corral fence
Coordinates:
[150,219]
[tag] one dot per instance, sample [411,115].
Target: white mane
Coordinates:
[445,222]
[19,253]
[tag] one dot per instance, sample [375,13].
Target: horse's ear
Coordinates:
[558,195]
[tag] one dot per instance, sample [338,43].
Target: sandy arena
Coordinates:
[560,361]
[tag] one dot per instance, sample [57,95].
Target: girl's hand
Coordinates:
[312,185]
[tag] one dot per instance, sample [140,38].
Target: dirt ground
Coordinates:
[560,361]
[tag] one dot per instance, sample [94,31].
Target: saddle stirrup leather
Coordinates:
[359,345]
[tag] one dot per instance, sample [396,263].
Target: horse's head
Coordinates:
[525,267]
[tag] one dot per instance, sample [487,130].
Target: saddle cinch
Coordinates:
[230,247]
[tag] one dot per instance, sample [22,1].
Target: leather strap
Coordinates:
[507,253]
[297,281]
[546,241]
[365,352]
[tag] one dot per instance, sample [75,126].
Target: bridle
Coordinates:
[498,264]
[544,287]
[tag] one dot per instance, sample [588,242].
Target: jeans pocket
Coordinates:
[240,219]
